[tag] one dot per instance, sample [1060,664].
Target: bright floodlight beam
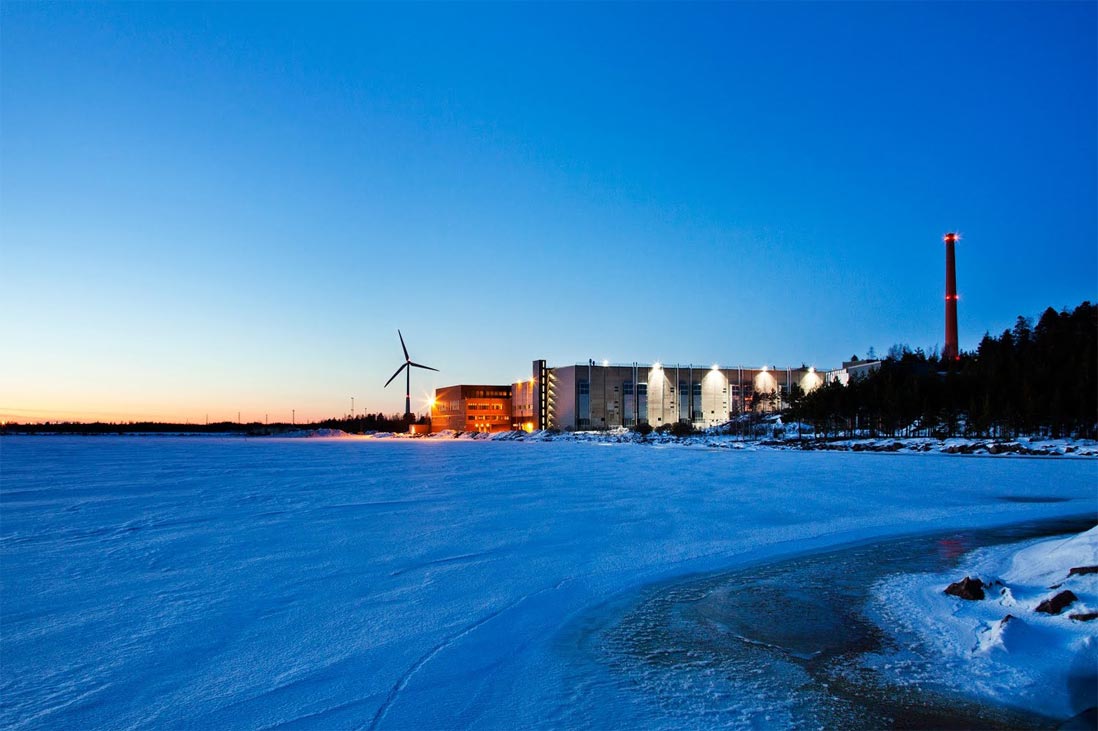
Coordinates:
[409,364]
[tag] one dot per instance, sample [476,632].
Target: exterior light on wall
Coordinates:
[605,363]
[716,367]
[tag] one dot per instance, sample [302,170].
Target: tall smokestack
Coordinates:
[951,351]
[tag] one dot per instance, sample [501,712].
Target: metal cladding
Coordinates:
[951,350]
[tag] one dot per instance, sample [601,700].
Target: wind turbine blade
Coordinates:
[406,356]
[429,368]
[395,374]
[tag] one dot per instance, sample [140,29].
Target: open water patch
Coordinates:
[778,644]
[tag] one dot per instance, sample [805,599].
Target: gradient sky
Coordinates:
[208,209]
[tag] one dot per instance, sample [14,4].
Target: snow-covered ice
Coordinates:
[410,583]
[1001,647]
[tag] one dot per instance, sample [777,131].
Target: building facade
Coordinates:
[594,396]
[476,408]
[853,370]
[604,396]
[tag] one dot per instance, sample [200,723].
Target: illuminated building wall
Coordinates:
[524,406]
[476,408]
[605,396]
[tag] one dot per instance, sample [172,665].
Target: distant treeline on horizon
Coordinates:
[359,424]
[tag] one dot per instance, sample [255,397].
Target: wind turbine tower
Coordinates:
[407,368]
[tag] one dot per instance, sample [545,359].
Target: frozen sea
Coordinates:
[195,582]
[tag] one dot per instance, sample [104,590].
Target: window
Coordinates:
[583,405]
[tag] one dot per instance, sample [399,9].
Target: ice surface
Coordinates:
[1000,647]
[355,583]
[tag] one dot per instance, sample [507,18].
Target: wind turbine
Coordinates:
[407,368]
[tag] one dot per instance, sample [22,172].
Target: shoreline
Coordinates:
[805,619]
[955,446]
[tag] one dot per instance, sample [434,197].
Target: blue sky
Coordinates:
[222,208]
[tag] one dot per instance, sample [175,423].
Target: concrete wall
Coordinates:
[720,399]
[562,397]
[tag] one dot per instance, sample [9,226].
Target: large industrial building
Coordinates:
[600,395]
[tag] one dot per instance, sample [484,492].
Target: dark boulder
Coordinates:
[1082,570]
[1056,604]
[966,588]
[1084,617]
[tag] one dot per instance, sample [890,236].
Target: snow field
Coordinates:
[409,583]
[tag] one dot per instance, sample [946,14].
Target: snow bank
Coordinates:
[1001,647]
[788,440]
[314,434]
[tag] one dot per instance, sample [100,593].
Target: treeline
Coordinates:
[1037,380]
[356,425]
[371,423]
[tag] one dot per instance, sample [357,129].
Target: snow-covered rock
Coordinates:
[1002,647]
